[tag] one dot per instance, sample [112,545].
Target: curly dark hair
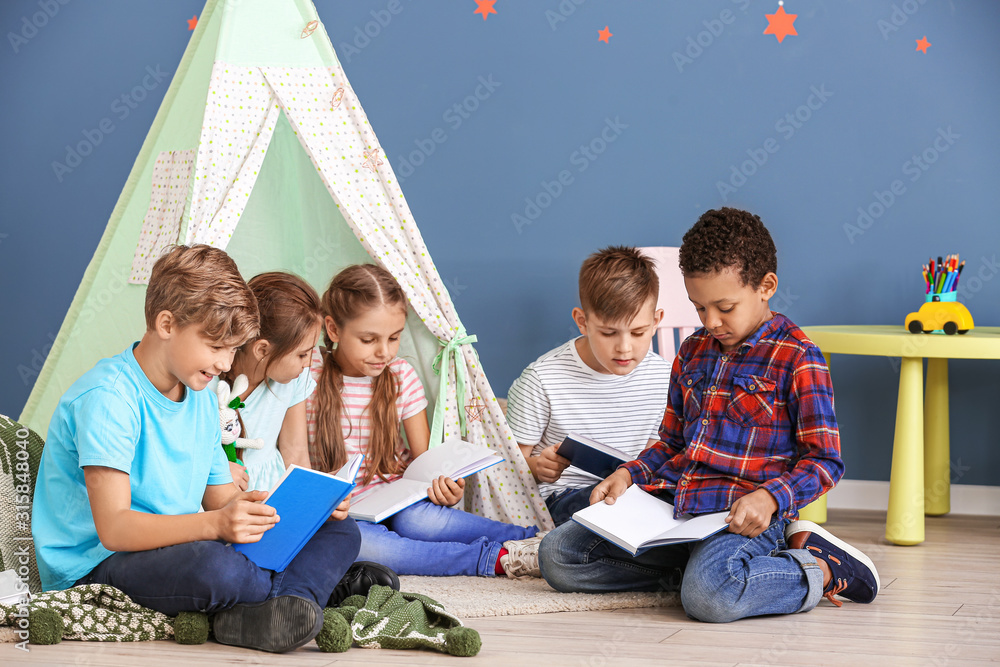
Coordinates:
[729,237]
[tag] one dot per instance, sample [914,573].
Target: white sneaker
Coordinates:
[521,559]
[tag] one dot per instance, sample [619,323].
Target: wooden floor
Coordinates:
[939,605]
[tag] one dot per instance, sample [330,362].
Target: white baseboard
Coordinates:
[857,494]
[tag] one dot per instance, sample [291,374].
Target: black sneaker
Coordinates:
[277,625]
[854,574]
[359,578]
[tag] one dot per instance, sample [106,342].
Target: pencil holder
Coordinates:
[941,313]
[951,297]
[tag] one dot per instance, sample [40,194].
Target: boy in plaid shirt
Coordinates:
[750,428]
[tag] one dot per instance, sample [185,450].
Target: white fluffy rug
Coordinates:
[475,597]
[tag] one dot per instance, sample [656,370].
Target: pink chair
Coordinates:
[678,311]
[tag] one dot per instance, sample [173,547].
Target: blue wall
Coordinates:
[689,92]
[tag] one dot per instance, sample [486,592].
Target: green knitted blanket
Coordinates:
[95,612]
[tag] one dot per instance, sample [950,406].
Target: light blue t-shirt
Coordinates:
[263,416]
[114,417]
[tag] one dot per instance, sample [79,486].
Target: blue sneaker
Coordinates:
[854,574]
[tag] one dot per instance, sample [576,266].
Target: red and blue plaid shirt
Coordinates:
[758,417]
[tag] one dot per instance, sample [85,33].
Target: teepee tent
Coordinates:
[261,147]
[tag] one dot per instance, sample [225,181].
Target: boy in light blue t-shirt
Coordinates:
[133,452]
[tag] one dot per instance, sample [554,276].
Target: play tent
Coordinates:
[261,147]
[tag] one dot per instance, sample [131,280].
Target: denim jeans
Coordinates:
[436,541]
[722,578]
[562,504]
[210,576]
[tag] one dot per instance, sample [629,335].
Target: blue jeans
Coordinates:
[209,576]
[722,578]
[562,504]
[436,541]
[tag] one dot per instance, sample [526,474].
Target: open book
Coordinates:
[591,456]
[639,521]
[453,458]
[304,499]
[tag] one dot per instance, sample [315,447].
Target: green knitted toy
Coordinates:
[394,620]
[191,627]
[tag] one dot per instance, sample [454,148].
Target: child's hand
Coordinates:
[612,487]
[244,519]
[548,465]
[445,491]
[240,477]
[751,514]
[340,513]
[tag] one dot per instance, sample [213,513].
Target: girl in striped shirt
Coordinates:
[365,397]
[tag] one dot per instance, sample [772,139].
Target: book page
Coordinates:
[635,517]
[449,458]
[387,499]
[350,470]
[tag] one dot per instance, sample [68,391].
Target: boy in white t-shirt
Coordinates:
[608,384]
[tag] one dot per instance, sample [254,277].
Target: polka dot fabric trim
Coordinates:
[240,115]
[162,225]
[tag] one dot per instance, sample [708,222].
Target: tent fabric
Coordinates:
[162,224]
[269,131]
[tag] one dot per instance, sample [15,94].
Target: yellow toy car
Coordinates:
[948,316]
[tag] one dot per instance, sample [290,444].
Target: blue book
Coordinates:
[304,499]
[591,456]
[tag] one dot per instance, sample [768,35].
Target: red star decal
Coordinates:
[192,22]
[922,44]
[485,7]
[780,25]
[605,35]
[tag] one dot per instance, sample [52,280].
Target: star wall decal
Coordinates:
[780,24]
[605,35]
[192,23]
[485,7]
[922,44]
[372,160]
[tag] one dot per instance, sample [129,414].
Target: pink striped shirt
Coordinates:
[354,419]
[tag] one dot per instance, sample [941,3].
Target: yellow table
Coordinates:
[919,482]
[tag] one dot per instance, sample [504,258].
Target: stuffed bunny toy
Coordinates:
[229,403]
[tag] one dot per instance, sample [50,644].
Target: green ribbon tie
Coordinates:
[442,361]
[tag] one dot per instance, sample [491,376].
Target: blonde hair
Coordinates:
[289,306]
[616,282]
[353,291]
[201,285]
